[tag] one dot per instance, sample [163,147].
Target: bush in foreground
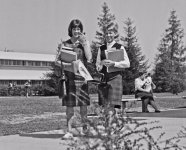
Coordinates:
[115,131]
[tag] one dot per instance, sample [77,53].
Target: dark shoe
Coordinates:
[84,130]
[157,111]
[146,111]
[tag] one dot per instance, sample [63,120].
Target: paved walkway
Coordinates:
[171,121]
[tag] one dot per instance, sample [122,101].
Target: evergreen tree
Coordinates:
[106,21]
[52,78]
[169,73]
[137,59]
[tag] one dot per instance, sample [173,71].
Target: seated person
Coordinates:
[143,93]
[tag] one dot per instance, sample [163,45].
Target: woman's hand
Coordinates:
[99,67]
[88,54]
[82,39]
[108,63]
[144,90]
[153,86]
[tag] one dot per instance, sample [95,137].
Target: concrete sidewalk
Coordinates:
[51,140]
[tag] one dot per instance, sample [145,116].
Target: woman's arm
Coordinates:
[122,64]
[99,64]
[153,85]
[86,45]
[88,53]
[138,86]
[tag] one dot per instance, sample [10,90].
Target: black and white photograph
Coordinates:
[92,74]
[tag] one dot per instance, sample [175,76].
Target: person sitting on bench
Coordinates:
[145,95]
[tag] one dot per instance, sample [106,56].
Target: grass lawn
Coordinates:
[20,114]
[24,115]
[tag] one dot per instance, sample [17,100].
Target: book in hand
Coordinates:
[69,67]
[66,66]
[68,56]
[115,55]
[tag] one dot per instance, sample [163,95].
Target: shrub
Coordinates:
[3,91]
[15,91]
[116,131]
[48,91]
[44,90]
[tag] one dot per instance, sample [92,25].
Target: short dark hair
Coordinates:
[141,73]
[73,24]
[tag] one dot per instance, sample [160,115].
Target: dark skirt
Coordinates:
[144,95]
[111,92]
[77,92]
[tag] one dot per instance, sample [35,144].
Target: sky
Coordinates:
[39,25]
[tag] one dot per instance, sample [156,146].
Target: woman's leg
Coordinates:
[83,112]
[152,103]
[69,114]
[145,103]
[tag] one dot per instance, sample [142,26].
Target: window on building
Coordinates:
[4,82]
[6,62]
[37,63]
[20,82]
[30,63]
[2,62]
[49,64]
[19,62]
[23,63]
[10,62]
[44,63]
[14,62]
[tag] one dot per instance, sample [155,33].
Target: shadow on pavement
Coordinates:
[172,113]
[43,135]
[180,107]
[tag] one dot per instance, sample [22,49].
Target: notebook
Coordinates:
[114,55]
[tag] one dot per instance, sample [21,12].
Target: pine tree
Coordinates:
[137,59]
[169,73]
[106,21]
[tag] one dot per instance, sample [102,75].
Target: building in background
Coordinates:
[17,67]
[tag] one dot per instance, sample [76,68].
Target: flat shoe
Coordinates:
[68,135]
[157,111]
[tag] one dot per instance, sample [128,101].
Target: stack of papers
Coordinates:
[68,55]
[67,48]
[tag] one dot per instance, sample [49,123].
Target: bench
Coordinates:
[130,99]
[124,101]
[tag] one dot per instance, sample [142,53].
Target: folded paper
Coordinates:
[80,69]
